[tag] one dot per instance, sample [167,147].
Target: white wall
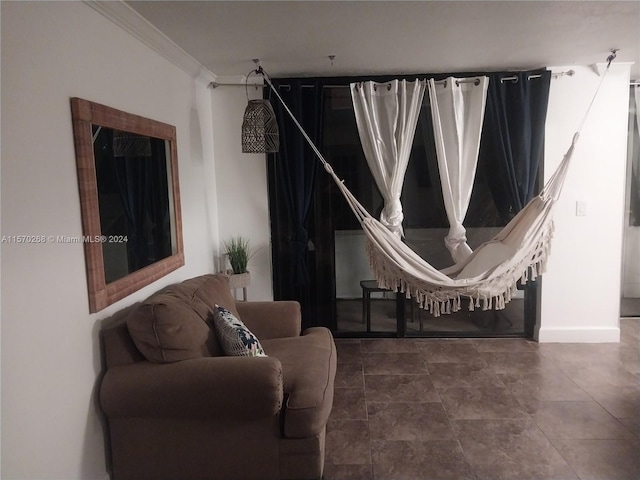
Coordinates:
[50,358]
[580,296]
[241,183]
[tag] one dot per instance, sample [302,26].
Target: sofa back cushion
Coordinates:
[166,329]
[204,292]
[176,323]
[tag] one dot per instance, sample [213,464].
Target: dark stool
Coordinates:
[369,286]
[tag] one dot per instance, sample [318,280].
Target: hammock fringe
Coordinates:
[439,300]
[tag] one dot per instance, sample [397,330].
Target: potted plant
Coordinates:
[238,251]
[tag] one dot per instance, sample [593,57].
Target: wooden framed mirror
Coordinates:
[130,200]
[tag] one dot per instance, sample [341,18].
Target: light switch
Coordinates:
[581,208]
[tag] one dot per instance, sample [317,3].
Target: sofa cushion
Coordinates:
[215,290]
[308,371]
[234,337]
[203,293]
[174,323]
[166,329]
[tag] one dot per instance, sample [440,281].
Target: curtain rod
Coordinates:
[216,85]
[475,81]
[569,73]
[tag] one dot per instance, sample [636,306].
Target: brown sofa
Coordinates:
[177,408]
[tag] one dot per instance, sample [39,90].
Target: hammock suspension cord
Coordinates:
[359,210]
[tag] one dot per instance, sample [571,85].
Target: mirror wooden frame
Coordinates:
[85,114]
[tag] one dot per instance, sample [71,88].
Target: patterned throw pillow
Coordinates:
[235,338]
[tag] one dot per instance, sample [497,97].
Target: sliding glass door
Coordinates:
[341,291]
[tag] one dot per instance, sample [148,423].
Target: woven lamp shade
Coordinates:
[260,128]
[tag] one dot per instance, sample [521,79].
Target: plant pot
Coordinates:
[238,280]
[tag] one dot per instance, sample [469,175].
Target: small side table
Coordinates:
[369,286]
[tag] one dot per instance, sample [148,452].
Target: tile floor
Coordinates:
[428,409]
[509,321]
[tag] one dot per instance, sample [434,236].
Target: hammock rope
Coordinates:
[489,277]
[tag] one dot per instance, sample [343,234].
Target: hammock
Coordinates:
[489,276]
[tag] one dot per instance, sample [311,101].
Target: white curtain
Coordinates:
[457,109]
[386,115]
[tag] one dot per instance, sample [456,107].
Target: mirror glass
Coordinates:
[134,200]
[130,200]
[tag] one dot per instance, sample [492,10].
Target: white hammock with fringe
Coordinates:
[489,277]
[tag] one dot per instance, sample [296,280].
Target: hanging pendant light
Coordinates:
[259,126]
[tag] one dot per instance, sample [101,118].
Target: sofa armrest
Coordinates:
[232,388]
[274,319]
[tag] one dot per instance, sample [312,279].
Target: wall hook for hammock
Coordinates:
[599,68]
[612,57]
[260,132]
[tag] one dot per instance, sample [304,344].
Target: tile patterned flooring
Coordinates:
[383,319]
[494,409]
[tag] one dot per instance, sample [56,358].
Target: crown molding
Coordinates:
[139,27]
[232,80]
[600,68]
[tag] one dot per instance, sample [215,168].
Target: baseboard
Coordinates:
[579,335]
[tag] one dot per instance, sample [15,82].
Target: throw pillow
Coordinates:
[235,338]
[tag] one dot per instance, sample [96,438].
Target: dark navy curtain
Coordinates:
[132,187]
[142,186]
[512,144]
[296,167]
